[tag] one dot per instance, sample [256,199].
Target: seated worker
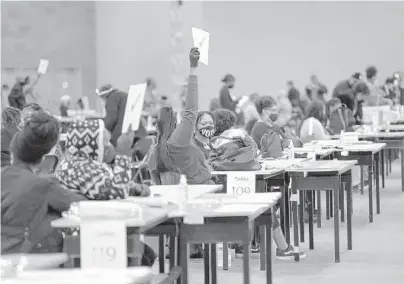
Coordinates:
[313,127]
[30,202]
[175,151]
[225,128]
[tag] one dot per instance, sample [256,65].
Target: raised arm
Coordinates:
[182,135]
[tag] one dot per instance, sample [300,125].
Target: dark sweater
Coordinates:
[29,203]
[187,158]
[261,128]
[115,106]
[226,101]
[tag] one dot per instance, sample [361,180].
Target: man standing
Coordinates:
[115,105]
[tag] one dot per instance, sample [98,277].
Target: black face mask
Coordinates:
[207,131]
[273,117]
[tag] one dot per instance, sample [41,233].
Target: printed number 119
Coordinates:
[104,253]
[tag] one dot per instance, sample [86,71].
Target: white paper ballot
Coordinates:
[201,41]
[242,101]
[43,66]
[134,106]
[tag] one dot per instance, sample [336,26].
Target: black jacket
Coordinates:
[115,106]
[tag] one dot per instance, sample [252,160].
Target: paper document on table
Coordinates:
[201,41]
[134,106]
[43,66]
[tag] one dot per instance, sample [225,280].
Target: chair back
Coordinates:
[49,164]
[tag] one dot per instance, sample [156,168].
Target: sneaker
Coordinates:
[255,248]
[288,253]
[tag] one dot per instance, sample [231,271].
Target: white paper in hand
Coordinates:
[201,41]
[134,107]
[43,66]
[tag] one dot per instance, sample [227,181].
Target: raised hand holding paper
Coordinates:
[201,41]
[43,66]
[134,106]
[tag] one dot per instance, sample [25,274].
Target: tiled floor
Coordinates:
[377,255]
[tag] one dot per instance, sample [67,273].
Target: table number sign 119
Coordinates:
[103,244]
[241,183]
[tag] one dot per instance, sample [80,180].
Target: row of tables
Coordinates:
[214,218]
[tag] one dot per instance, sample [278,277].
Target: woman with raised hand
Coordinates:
[175,151]
[204,130]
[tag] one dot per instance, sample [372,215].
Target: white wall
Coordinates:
[263,44]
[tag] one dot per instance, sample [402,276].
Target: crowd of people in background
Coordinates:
[95,163]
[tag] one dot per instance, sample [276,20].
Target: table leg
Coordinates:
[327,205]
[331,205]
[246,262]
[263,243]
[382,167]
[268,238]
[283,212]
[336,225]
[206,262]
[362,180]
[179,261]
[318,208]
[349,208]
[295,225]
[287,214]
[311,223]
[302,203]
[386,154]
[390,159]
[377,183]
[370,194]
[225,256]
[342,204]
[161,253]
[183,247]
[213,263]
[402,169]
[172,251]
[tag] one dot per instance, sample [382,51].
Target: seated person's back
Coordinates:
[10,121]
[30,202]
[312,127]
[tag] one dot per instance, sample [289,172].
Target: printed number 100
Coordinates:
[241,190]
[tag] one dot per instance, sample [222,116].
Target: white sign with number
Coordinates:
[43,66]
[241,183]
[103,244]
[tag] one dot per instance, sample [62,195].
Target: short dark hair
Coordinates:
[225,119]
[228,77]
[39,135]
[357,75]
[33,107]
[263,103]
[361,87]
[371,72]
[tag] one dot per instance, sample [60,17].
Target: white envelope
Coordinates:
[43,66]
[201,41]
[134,107]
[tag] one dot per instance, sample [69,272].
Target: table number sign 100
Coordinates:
[240,183]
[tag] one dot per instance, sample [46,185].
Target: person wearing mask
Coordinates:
[268,111]
[175,151]
[204,130]
[20,90]
[115,106]
[10,125]
[29,202]
[313,127]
